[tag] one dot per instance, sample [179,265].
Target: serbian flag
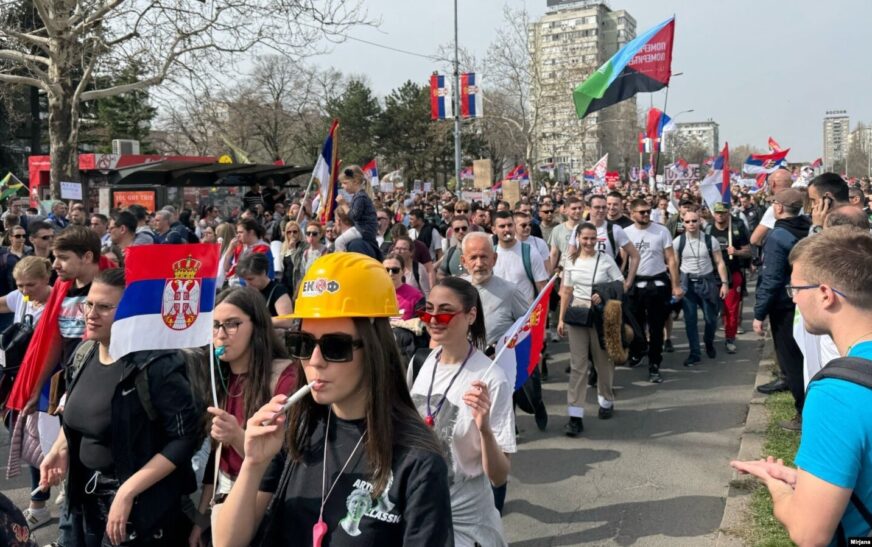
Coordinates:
[519,350]
[169,298]
[641,143]
[371,171]
[471,98]
[715,188]
[817,163]
[657,120]
[326,174]
[765,163]
[774,146]
[441,105]
[643,65]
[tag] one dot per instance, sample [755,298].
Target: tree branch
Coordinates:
[22,57]
[40,41]
[24,80]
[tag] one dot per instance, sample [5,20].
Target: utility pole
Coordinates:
[456,98]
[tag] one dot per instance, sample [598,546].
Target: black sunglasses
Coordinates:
[392,270]
[335,347]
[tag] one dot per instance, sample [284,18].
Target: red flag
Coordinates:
[774,146]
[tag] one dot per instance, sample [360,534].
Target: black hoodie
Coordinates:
[775,273]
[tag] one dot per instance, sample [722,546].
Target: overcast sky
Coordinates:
[758,68]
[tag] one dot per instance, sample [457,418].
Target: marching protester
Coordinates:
[772,300]
[128,458]
[704,282]
[582,298]
[649,296]
[732,236]
[249,239]
[451,263]
[517,262]
[254,367]
[468,404]
[826,498]
[359,462]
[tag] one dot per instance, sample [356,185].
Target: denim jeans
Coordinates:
[690,303]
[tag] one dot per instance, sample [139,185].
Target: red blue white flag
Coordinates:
[169,298]
[471,98]
[519,350]
[371,171]
[326,174]
[774,146]
[765,163]
[441,105]
[715,188]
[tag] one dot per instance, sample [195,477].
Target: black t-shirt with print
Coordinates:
[740,239]
[415,510]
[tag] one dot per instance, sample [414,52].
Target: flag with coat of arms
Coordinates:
[168,300]
[519,350]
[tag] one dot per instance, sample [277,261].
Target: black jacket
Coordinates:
[775,273]
[136,439]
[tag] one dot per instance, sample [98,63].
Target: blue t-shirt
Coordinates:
[836,441]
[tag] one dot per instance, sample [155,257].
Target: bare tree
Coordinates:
[77,40]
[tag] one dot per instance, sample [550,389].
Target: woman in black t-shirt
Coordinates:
[360,466]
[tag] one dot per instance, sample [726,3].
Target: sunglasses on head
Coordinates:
[335,347]
[441,318]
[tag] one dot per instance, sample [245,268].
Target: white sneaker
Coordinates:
[37,518]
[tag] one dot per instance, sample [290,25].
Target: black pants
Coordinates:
[789,356]
[650,306]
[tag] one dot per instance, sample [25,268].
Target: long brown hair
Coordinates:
[265,347]
[391,418]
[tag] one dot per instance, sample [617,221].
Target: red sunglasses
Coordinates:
[441,318]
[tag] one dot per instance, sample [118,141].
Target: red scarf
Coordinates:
[46,339]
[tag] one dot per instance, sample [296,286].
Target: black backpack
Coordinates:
[857,371]
[682,240]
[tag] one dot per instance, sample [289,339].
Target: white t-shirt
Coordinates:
[540,246]
[578,274]
[15,302]
[695,259]
[768,219]
[602,239]
[474,516]
[651,243]
[510,266]
[817,351]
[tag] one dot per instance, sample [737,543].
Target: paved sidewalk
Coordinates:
[655,474]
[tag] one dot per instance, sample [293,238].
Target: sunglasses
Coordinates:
[335,348]
[644,211]
[46,238]
[546,211]
[691,221]
[393,271]
[460,228]
[523,225]
[18,236]
[312,234]
[461,211]
[441,318]
[292,232]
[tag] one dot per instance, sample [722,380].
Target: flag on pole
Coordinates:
[600,167]
[326,174]
[169,298]
[441,105]
[765,163]
[816,164]
[643,65]
[715,188]
[371,171]
[519,350]
[774,146]
[657,120]
[641,143]
[471,96]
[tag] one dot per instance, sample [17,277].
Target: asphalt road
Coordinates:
[655,474]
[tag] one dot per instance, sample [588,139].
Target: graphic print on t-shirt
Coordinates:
[359,503]
[443,427]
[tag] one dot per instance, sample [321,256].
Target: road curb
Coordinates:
[735,519]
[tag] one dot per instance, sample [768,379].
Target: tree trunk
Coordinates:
[63,119]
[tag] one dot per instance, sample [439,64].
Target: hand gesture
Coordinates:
[53,468]
[225,428]
[116,522]
[478,400]
[820,211]
[263,442]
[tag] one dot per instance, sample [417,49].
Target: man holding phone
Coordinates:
[826,192]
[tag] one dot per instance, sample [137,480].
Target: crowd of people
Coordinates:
[391,312]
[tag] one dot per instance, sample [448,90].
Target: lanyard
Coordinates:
[430,419]
[320,528]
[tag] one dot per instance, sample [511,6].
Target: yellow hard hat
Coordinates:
[345,285]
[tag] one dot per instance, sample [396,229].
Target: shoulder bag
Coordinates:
[581,316]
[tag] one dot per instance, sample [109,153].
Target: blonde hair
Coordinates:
[300,237]
[355,173]
[227,232]
[34,267]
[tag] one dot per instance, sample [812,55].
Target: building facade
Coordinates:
[691,137]
[836,137]
[567,44]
